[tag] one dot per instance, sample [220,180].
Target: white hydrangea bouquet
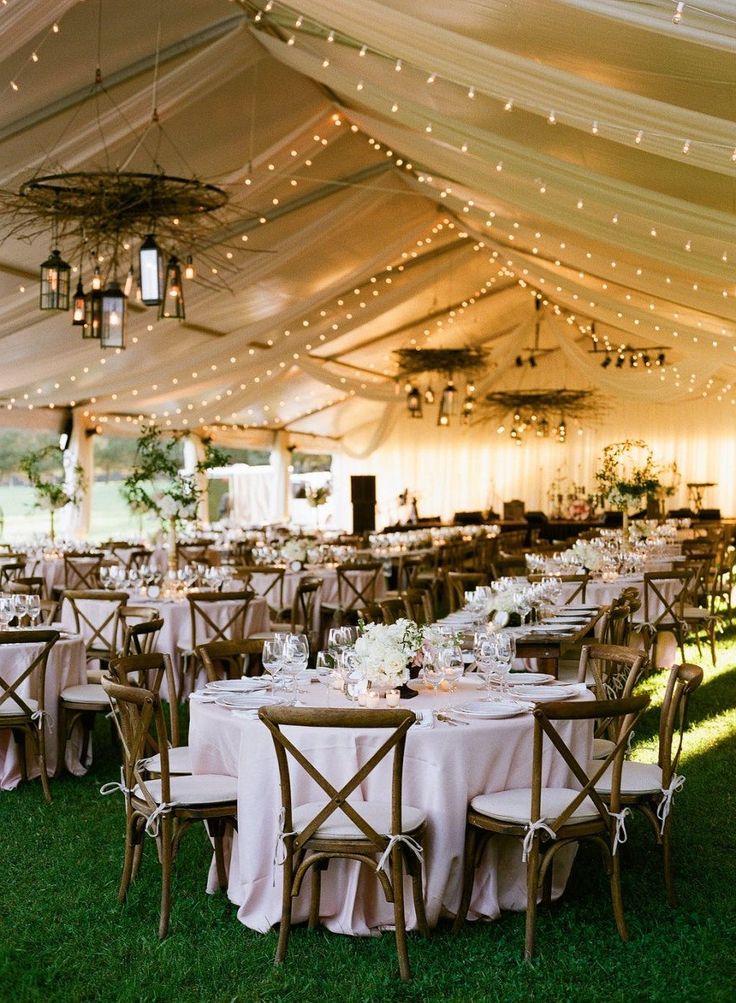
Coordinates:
[383,652]
[294,552]
[586,555]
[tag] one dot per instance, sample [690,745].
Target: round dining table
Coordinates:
[445,766]
[66,666]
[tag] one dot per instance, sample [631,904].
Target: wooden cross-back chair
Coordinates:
[342,824]
[663,606]
[82,571]
[149,671]
[418,605]
[21,712]
[357,583]
[305,612]
[138,558]
[392,609]
[27,584]
[650,787]
[139,629]
[11,571]
[547,818]
[611,672]
[95,615]
[193,552]
[457,583]
[214,616]
[165,806]
[271,582]
[232,659]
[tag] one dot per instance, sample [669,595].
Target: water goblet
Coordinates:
[432,668]
[33,608]
[20,608]
[272,658]
[6,611]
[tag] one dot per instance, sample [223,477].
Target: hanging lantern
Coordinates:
[93,314]
[79,306]
[172,304]
[189,272]
[151,270]
[447,404]
[114,317]
[55,273]
[414,402]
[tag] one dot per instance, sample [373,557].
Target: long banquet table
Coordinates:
[444,768]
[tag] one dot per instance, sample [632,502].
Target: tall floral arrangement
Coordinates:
[156,483]
[44,469]
[627,474]
[383,651]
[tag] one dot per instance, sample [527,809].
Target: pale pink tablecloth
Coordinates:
[444,768]
[176,633]
[66,667]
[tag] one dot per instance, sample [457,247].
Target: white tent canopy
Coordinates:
[408,174]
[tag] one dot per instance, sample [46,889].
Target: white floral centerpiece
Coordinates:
[586,555]
[384,651]
[294,552]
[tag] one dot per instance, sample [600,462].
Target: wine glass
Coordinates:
[453,667]
[505,651]
[296,656]
[33,608]
[484,652]
[272,658]
[432,668]
[20,608]
[6,612]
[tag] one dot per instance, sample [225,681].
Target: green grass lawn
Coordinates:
[64,935]
[111,517]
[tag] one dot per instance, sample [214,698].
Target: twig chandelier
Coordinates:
[539,413]
[445,362]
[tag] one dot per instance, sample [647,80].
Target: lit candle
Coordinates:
[372,699]
[392,698]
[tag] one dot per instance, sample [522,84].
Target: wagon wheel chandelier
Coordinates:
[135,233]
[445,363]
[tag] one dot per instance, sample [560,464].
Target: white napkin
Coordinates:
[249,715]
[425,719]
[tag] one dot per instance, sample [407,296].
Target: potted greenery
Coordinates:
[158,485]
[317,497]
[44,468]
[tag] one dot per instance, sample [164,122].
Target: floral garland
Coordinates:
[628,473]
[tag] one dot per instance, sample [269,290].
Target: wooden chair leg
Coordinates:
[616,897]
[61,741]
[139,844]
[471,836]
[532,891]
[41,742]
[165,836]
[217,831]
[128,859]
[285,924]
[547,885]
[669,881]
[316,892]
[414,867]
[397,884]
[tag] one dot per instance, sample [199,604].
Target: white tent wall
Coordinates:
[455,469]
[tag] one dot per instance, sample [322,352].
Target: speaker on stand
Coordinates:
[363,498]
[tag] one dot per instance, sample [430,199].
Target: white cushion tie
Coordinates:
[621,835]
[111,787]
[162,809]
[398,837]
[279,850]
[531,830]
[38,716]
[665,805]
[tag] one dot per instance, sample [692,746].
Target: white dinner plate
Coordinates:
[546,694]
[246,701]
[487,710]
[244,685]
[529,679]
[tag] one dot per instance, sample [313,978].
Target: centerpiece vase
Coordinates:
[172,544]
[626,543]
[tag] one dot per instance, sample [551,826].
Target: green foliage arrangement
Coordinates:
[44,469]
[317,496]
[157,485]
[628,473]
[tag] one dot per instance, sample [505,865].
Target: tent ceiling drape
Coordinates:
[407,174]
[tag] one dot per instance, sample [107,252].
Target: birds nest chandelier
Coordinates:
[543,414]
[443,362]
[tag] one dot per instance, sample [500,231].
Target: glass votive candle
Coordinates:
[372,699]
[392,698]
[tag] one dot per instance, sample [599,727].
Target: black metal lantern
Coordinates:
[79,304]
[448,401]
[93,314]
[172,304]
[114,317]
[151,272]
[414,402]
[55,274]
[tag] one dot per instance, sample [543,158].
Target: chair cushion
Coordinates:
[515,805]
[602,747]
[180,762]
[85,693]
[339,826]
[636,778]
[203,789]
[264,635]
[10,707]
